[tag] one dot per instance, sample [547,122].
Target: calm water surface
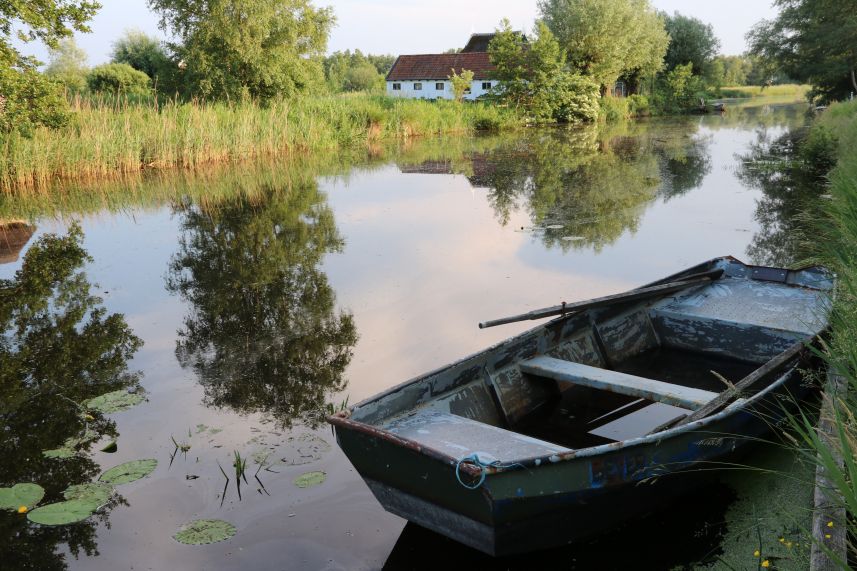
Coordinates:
[261,294]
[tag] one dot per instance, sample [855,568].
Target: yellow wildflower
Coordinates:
[22,510]
[782,540]
[826,536]
[789,544]
[757,553]
[766,563]
[830,524]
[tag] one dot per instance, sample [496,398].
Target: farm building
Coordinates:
[426,76]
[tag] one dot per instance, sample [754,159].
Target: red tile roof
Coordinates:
[440,66]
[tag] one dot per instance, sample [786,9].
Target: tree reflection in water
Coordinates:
[790,191]
[584,188]
[262,334]
[59,348]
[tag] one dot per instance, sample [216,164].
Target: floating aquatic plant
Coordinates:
[129,472]
[116,401]
[205,531]
[62,513]
[26,495]
[310,479]
[92,493]
[70,446]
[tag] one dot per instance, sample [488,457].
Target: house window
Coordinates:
[439,86]
[397,87]
[486,85]
[418,87]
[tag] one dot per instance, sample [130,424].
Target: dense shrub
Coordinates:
[118,78]
[638,105]
[614,109]
[576,99]
[29,99]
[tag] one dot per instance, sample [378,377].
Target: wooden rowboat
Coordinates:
[562,431]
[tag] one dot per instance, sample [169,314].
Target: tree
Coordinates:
[691,41]
[68,64]
[143,53]
[362,78]
[27,99]
[532,75]
[606,39]
[460,83]
[239,48]
[813,41]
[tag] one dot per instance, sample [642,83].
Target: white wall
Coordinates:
[429,91]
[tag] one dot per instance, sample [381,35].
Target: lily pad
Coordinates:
[92,493]
[205,531]
[27,495]
[111,447]
[62,513]
[116,401]
[70,446]
[129,472]
[303,449]
[310,479]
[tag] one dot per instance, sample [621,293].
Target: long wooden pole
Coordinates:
[633,295]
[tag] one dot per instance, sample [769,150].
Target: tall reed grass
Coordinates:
[836,246]
[109,138]
[747,91]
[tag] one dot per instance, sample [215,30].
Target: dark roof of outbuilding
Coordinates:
[478,43]
[440,66]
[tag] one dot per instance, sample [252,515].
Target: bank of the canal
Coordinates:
[264,293]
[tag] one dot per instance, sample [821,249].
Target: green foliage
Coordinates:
[68,65]
[362,78]
[679,90]
[27,99]
[614,109]
[460,83]
[606,39]
[27,495]
[128,472]
[691,41]
[234,49]
[638,105]
[532,77]
[147,54]
[812,41]
[354,71]
[819,152]
[204,532]
[118,78]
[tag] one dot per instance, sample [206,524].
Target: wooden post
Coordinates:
[828,507]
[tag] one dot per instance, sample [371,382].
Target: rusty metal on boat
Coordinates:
[595,416]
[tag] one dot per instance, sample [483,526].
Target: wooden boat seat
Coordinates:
[576,373]
[460,437]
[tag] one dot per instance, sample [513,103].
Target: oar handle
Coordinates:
[633,295]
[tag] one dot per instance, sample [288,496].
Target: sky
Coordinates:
[419,26]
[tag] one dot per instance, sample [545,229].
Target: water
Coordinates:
[264,293]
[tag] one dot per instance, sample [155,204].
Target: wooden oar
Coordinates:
[764,373]
[633,295]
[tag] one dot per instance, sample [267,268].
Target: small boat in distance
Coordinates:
[595,417]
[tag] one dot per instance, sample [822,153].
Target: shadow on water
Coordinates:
[262,334]
[665,540]
[59,348]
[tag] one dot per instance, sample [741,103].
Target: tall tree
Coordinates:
[239,48]
[606,39]
[691,41]
[68,64]
[532,75]
[144,53]
[813,41]
[27,99]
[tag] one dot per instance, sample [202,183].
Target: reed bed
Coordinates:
[748,91]
[111,138]
[836,246]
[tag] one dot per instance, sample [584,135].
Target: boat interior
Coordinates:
[606,375]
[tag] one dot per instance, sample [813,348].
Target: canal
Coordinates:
[244,303]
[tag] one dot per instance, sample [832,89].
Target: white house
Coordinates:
[427,76]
